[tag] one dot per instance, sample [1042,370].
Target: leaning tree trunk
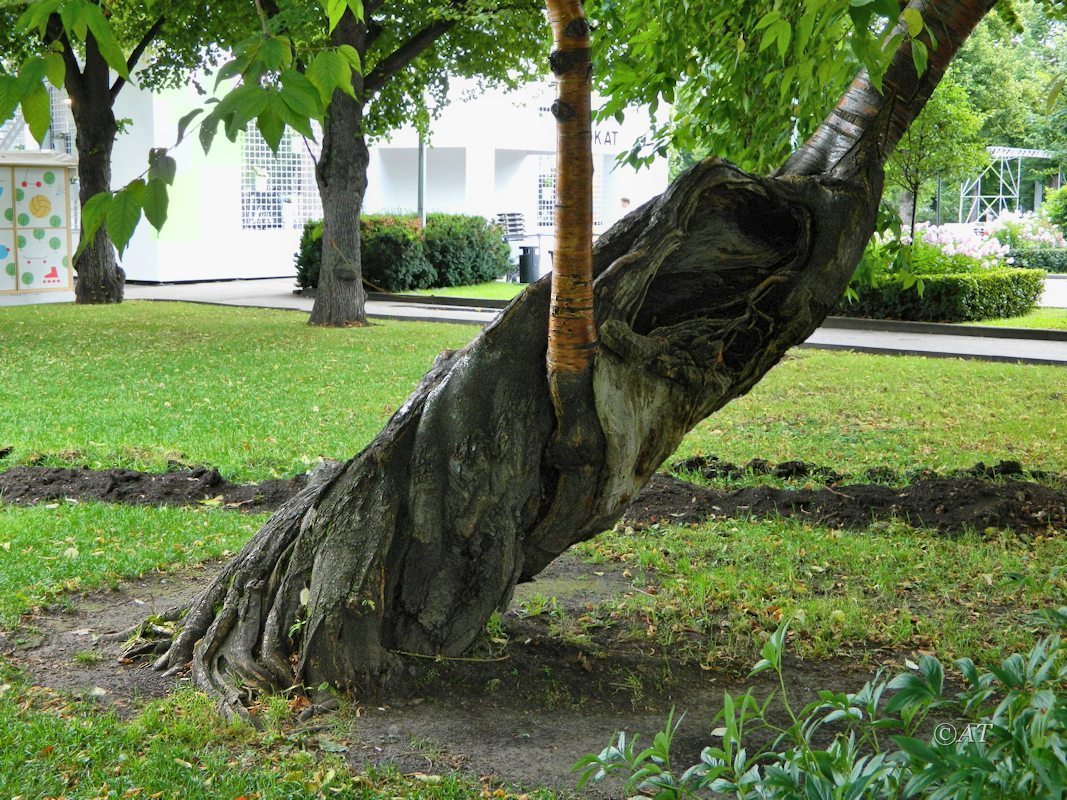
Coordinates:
[100,279]
[342,178]
[411,545]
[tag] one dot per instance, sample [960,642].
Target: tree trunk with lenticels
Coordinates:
[410,546]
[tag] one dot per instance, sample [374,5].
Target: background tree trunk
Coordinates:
[411,545]
[100,279]
[342,178]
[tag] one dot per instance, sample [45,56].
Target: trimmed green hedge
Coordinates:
[1006,292]
[465,250]
[1044,258]
[453,250]
[394,259]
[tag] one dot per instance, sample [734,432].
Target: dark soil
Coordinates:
[947,504]
[978,498]
[26,485]
[521,712]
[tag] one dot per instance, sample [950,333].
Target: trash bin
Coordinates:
[36,227]
[529,265]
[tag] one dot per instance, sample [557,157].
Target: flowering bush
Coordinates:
[960,240]
[1025,230]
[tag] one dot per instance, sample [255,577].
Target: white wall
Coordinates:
[482,159]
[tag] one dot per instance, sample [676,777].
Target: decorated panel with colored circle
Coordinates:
[7,195]
[43,262]
[8,267]
[40,197]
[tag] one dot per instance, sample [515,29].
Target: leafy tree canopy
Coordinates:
[750,80]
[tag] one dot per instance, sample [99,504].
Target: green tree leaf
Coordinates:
[124,213]
[301,95]
[208,128]
[328,71]
[37,109]
[185,122]
[155,202]
[161,166]
[55,69]
[271,127]
[914,20]
[105,40]
[10,95]
[94,211]
[919,55]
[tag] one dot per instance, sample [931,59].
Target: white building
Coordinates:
[237,211]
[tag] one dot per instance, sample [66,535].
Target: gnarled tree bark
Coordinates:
[341,174]
[411,545]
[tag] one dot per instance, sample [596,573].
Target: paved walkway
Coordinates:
[998,346]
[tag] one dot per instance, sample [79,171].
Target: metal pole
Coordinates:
[939,199]
[422,181]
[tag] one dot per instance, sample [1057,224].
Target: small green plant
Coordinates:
[1004,735]
[537,604]
[88,657]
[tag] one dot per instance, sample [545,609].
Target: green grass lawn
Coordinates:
[259,393]
[47,552]
[493,290]
[853,411]
[1054,318]
[55,747]
[255,393]
[718,589]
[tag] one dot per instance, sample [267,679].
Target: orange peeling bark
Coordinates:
[572,331]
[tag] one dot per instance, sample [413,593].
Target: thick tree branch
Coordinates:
[404,55]
[136,54]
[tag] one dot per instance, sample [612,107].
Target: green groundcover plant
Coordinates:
[1004,735]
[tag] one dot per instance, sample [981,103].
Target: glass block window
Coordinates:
[278,190]
[546,193]
[61,134]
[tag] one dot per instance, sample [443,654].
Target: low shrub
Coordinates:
[1043,258]
[453,250]
[394,259]
[309,256]
[984,294]
[465,250]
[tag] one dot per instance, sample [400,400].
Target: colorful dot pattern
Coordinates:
[34,252]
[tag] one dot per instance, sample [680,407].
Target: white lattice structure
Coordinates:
[546,193]
[997,189]
[278,190]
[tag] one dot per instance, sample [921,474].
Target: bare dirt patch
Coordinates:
[977,498]
[948,504]
[26,485]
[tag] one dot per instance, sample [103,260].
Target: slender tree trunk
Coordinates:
[571,327]
[342,178]
[410,546]
[100,279]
